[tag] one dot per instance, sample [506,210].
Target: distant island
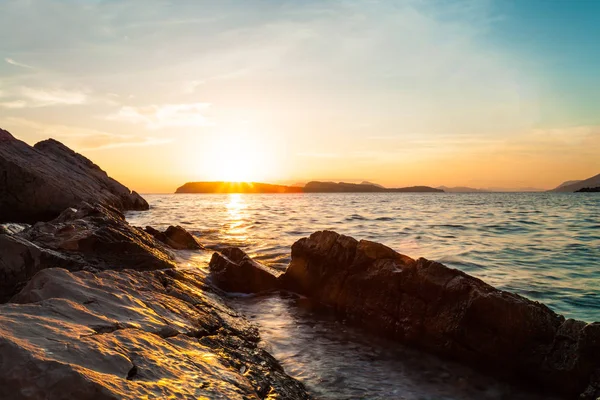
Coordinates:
[342,187]
[588,190]
[310,187]
[462,189]
[578,185]
[236,187]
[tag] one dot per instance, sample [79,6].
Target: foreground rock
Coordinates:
[176,237]
[130,335]
[443,310]
[234,271]
[87,237]
[39,182]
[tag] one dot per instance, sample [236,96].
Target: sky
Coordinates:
[474,93]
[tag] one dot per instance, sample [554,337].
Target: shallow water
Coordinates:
[338,362]
[543,246]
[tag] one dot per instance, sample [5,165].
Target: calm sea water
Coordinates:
[543,246]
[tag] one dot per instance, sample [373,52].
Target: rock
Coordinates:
[131,335]
[21,259]
[102,237]
[90,236]
[176,237]
[156,234]
[11,229]
[37,183]
[234,271]
[448,312]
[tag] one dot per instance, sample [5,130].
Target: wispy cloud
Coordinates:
[17,64]
[166,115]
[14,104]
[83,139]
[48,97]
[27,97]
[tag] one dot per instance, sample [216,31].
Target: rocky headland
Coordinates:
[38,183]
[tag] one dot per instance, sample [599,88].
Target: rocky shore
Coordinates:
[94,308]
[430,306]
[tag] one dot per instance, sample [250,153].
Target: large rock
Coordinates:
[176,237]
[89,236]
[131,335]
[37,183]
[20,260]
[448,312]
[234,271]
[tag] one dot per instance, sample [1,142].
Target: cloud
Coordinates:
[27,97]
[18,64]
[166,115]
[13,104]
[48,97]
[83,139]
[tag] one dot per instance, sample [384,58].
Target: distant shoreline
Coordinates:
[311,187]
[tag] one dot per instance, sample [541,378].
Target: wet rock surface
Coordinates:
[131,334]
[176,237]
[445,311]
[89,236]
[234,271]
[37,183]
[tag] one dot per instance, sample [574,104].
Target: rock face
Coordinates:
[234,271]
[90,236]
[176,237]
[436,308]
[37,183]
[130,335]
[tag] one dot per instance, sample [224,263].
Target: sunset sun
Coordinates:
[236,158]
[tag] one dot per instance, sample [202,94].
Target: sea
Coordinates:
[544,246]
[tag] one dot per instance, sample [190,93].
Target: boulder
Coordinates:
[20,260]
[89,236]
[175,237]
[11,229]
[234,271]
[130,335]
[445,311]
[37,183]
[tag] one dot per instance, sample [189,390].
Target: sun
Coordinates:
[236,158]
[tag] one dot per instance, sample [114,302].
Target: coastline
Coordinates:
[108,308]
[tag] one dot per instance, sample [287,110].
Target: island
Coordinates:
[310,187]
[236,187]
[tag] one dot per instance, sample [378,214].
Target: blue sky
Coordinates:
[559,41]
[479,93]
